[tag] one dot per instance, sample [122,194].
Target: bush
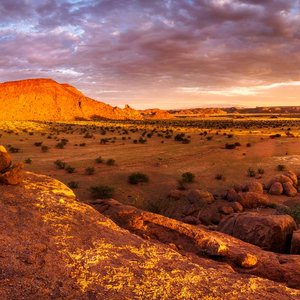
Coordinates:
[99,160]
[281,167]
[110,162]
[90,171]
[70,169]
[38,144]
[261,171]
[102,191]
[136,178]
[219,177]
[28,161]
[45,148]
[73,184]
[251,172]
[188,177]
[60,164]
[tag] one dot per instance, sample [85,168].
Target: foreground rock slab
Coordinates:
[54,247]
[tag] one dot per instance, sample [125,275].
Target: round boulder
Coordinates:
[289,189]
[276,188]
[270,232]
[5,159]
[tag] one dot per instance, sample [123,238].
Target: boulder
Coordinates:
[295,246]
[253,200]
[13,175]
[190,220]
[276,188]
[5,159]
[232,195]
[255,187]
[226,209]
[279,178]
[270,232]
[196,195]
[289,189]
[292,176]
[237,207]
[175,194]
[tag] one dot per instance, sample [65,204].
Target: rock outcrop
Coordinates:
[54,247]
[284,184]
[202,242]
[45,99]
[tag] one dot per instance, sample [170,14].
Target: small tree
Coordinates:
[102,191]
[138,177]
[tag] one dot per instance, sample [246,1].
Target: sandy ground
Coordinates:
[162,162]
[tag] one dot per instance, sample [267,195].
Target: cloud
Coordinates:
[142,49]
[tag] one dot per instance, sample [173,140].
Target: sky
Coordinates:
[158,53]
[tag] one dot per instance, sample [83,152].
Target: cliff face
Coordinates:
[45,99]
[54,247]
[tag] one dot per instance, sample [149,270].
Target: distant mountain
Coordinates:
[265,110]
[156,114]
[199,111]
[46,99]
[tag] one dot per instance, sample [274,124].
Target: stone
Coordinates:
[269,232]
[253,200]
[247,261]
[279,178]
[276,188]
[255,187]
[237,207]
[190,220]
[289,189]
[13,176]
[293,177]
[232,195]
[196,195]
[5,159]
[226,209]
[295,245]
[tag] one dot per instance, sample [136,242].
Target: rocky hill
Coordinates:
[54,247]
[45,99]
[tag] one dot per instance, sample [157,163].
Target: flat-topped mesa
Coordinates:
[45,99]
[54,247]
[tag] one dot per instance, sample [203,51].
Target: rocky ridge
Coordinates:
[45,99]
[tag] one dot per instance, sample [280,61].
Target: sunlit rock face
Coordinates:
[45,99]
[54,247]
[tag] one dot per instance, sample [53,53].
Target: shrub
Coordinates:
[60,145]
[90,171]
[230,146]
[110,162]
[60,164]
[261,171]
[73,184]
[70,169]
[28,161]
[136,178]
[188,177]
[102,191]
[219,177]
[99,160]
[251,172]
[45,148]
[280,167]
[38,144]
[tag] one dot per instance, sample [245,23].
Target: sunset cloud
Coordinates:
[157,53]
